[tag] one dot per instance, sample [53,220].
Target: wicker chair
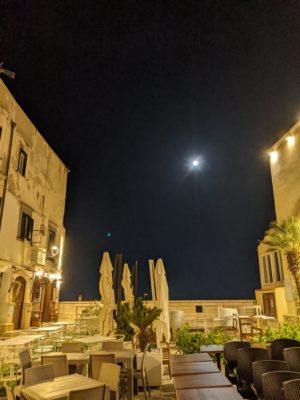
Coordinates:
[112,345]
[25,362]
[60,363]
[9,392]
[259,368]
[246,357]
[272,383]
[38,374]
[278,345]
[96,361]
[73,348]
[230,357]
[110,375]
[97,393]
[292,357]
[291,389]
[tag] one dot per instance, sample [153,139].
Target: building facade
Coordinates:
[33,183]
[278,294]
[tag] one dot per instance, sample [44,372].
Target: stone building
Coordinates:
[278,294]
[33,183]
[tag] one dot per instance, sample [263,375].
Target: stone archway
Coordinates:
[17,296]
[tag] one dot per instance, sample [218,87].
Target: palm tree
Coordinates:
[285,236]
[142,318]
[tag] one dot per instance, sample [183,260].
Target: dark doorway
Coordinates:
[18,286]
[269,304]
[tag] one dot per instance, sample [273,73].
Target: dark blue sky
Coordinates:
[127,93]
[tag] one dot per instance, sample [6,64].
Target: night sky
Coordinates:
[128,93]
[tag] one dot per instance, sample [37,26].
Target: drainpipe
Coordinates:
[12,128]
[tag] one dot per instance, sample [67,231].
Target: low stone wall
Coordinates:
[192,309]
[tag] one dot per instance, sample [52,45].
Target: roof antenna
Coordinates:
[6,71]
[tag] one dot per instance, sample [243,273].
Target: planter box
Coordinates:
[153,365]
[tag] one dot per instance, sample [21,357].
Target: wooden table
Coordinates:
[73,358]
[220,393]
[216,349]
[193,368]
[21,340]
[195,357]
[201,381]
[59,388]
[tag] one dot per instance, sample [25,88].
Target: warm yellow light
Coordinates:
[290,140]
[273,156]
[61,253]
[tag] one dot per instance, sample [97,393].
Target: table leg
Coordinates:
[218,358]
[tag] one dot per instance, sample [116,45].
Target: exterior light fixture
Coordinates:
[290,140]
[54,250]
[273,156]
[39,273]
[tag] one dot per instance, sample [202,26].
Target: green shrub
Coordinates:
[188,342]
[288,330]
[122,319]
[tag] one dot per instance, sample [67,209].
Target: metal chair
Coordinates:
[112,345]
[262,366]
[59,362]
[97,393]
[38,374]
[272,383]
[230,357]
[291,389]
[292,357]
[9,392]
[278,345]
[25,362]
[96,361]
[246,357]
[110,375]
[142,374]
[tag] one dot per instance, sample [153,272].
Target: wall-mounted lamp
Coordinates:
[290,140]
[273,156]
[54,251]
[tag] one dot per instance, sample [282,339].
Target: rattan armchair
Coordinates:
[25,362]
[97,393]
[112,345]
[291,389]
[59,362]
[230,357]
[110,375]
[262,366]
[38,374]
[278,345]
[246,357]
[71,347]
[96,361]
[292,357]
[272,383]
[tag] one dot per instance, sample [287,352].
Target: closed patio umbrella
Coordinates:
[162,325]
[107,295]
[127,285]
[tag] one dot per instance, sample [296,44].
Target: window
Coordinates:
[26,227]
[51,237]
[22,162]
[272,267]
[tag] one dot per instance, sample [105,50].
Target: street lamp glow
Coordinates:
[273,156]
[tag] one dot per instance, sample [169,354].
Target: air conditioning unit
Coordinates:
[38,256]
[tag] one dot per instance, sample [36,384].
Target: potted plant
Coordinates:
[142,318]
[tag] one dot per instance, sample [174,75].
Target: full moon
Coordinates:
[195,163]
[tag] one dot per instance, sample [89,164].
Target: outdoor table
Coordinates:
[45,329]
[59,388]
[126,356]
[201,381]
[195,357]
[193,368]
[89,340]
[219,393]
[216,349]
[21,340]
[72,358]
